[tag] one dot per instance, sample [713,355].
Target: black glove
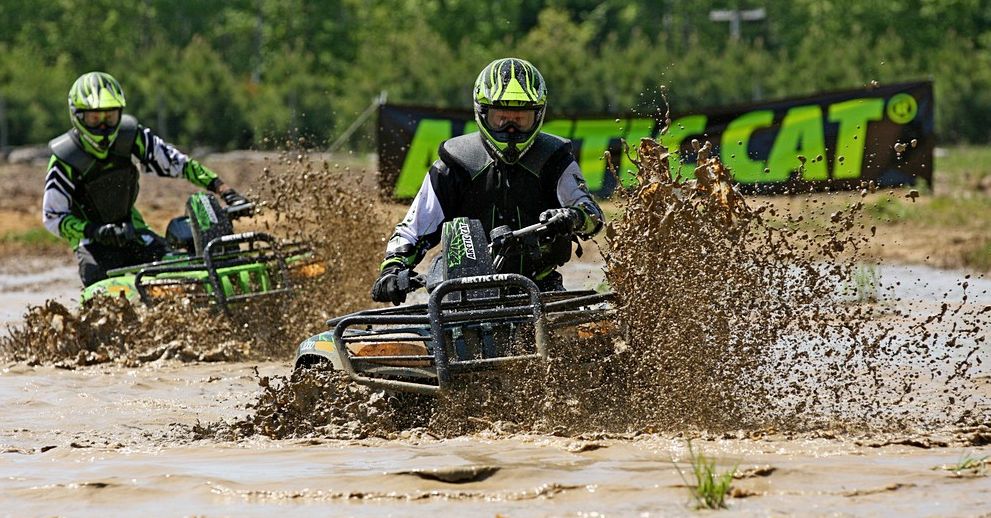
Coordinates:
[114,234]
[232,198]
[387,287]
[572,221]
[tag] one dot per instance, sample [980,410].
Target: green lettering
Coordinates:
[681,128]
[594,135]
[801,134]
[560,127]
[852,116]
[422,153]
[636,130]
[735,141]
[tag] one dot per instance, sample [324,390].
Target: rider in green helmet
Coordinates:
[507,173]
[92,181]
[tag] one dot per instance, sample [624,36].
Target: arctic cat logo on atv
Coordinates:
[485,278]
[466,237]
[461,244]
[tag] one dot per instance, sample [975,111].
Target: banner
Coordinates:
[829,141]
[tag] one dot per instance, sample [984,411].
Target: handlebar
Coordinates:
[410,281]
[501,243]
[240,211]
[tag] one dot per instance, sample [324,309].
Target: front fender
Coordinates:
[317,349]
[122,286]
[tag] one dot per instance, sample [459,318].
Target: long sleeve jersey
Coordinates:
[61,212]
[494,193]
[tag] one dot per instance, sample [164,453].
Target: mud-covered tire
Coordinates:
[312,361]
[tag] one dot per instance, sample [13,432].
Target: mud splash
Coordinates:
[112,330]
[310,402]
[736,318]
[299,199]
[328,206]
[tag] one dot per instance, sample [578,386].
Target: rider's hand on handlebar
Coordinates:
[237,205]
[114,234]
[563,221]
[233,198]
[387,287]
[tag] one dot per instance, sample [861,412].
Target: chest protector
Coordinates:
[105,189]
[511,194]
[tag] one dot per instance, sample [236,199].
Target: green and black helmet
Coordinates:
[510,101]
[96,102]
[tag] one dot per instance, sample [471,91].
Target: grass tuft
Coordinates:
[968,465]
[30,237]
[711,487]
[863,284]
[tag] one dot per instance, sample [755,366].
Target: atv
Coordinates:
[476,319]
[210,264]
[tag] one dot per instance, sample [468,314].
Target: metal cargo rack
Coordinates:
[233,268]
[464,336]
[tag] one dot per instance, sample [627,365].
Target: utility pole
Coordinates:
[735,17]
[3,124]
[256,67]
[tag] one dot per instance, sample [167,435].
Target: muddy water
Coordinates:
[141,433]
[32,281]
[110,440]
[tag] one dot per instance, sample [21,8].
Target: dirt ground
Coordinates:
[119,440]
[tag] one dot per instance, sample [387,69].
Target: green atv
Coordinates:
[477,320]
[210,264]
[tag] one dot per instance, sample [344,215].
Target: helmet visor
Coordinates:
[520,119]
[100,119]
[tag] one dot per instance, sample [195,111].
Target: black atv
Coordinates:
[476,319]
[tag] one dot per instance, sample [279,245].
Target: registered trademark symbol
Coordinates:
[902,108]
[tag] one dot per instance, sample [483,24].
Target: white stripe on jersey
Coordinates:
[161,157]
[425,215]
[56,202]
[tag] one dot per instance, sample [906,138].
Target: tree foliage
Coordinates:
[224,74]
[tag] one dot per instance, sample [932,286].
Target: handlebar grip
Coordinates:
[410,281]
[237,211]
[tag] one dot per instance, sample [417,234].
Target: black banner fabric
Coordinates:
[834,140]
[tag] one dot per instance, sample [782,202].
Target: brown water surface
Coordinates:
[107,439]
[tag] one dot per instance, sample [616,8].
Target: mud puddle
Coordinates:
[109,440]
[846,413]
